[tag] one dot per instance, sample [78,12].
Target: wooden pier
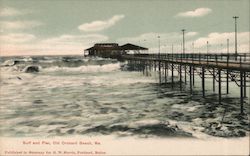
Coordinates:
[219,67]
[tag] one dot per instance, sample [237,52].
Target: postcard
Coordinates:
[124,77]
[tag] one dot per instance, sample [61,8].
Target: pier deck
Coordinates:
[217,61]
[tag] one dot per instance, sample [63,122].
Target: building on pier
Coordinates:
[112,50]
[133,49]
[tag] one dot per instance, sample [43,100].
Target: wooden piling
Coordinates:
[143,68]
[150,66]
[180,72]
[245,85]
[159,68]
[241,92]
[190,76]
[203,81]
[185,74]
[155,65]
[167,70]
[213,80]
[227,82]
[165,73]
[219,80]
[193,75]
[172,78]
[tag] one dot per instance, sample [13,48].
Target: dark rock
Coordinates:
[37,101]
[241,133]
[31,69]
[19,78]
[71,131]
[177,114]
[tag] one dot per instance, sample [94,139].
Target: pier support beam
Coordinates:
[143,68]
[190,74]
[227,82]
[203,81]
[241,92]
[214,80]
[155,65]
[146,68]
[150,66]
[165,72]
[185,74]
[172,78]
[193,75]
[219,74]
[159,68]
[245,86]
[180,72]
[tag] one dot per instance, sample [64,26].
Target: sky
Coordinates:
[67,27]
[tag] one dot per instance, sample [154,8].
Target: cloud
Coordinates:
[218,42]
[199,12]
[70,39]
[19,24]
[152,37]
[16,38]
[190,34]
[150,40]
[100,25]
[60,45]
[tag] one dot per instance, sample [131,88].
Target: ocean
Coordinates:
[75,95]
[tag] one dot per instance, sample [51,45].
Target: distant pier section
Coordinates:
[113,50]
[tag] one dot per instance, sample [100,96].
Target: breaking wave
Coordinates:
[86,68]
[60,64]
[10,62]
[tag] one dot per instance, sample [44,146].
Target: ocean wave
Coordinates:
[71,59]
[85,68]
[56,62]
[28,59]
[10,62]
[17,61]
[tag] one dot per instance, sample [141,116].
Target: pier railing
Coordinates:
[240,61]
